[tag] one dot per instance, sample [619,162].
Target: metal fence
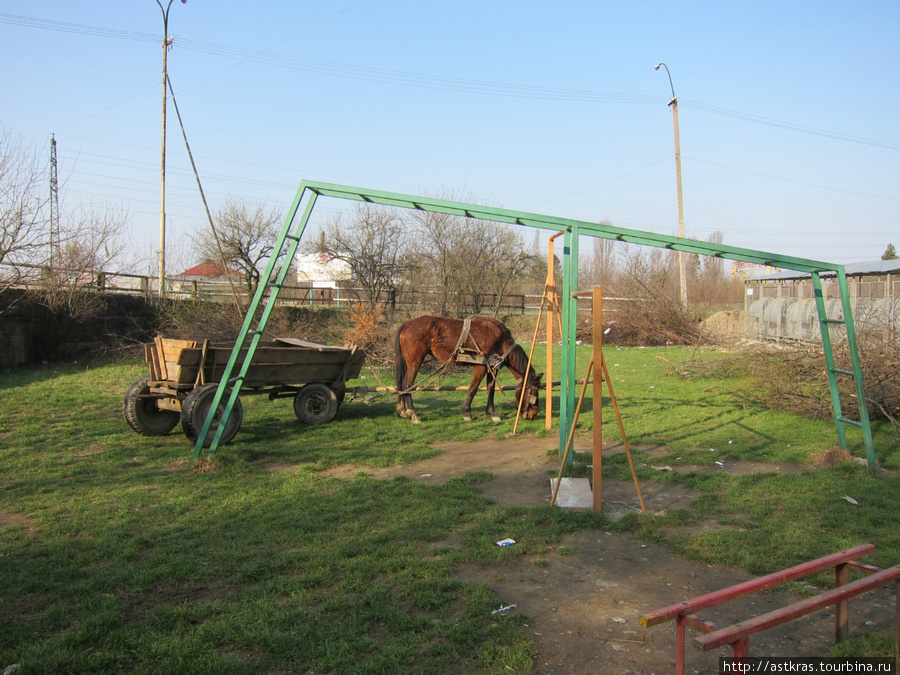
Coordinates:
[298,294]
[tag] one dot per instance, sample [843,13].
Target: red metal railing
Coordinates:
[738,635]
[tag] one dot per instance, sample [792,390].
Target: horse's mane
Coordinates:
[518,359]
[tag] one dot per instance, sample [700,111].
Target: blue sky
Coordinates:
[788,110]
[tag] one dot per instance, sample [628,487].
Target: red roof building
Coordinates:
[208,270]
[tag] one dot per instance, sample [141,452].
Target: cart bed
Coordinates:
[290,362]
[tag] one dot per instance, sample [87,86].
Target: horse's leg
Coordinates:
[406,399]
[489,408]
[477,376]
[405,379]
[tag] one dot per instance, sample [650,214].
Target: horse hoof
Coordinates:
[496,419]
[467,418]
[415,419]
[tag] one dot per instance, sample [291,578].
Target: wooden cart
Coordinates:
[184,376]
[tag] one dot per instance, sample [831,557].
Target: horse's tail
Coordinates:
[399,362]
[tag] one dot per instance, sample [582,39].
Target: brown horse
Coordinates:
[483,343]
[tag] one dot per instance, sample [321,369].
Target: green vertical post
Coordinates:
[569,326]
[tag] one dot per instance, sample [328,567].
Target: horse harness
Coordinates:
[476,357]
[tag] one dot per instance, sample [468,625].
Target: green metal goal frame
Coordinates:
[309,191]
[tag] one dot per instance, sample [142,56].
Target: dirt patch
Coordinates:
[715,465]
[8,519]
[583,608]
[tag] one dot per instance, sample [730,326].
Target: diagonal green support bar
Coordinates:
[260,298]
[574,229]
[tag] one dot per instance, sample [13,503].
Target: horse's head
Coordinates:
[531,404]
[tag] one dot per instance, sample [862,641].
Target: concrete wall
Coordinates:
[30,333]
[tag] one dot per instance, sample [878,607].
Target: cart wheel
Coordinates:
[315,403]
[143,415]
[196,407]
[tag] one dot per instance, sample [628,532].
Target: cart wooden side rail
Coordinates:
[738,635]
[186,364]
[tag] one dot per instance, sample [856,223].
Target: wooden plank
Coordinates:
[744,629]
[290,358]
[272,374]
[173,346]
[297,342]
[190,357]
[357,391]
[842,608]
[148,357]
[356,364]
[160,358]
[754,585]
[172,350]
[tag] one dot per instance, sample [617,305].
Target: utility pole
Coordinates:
[682,272]
[54,207]
[167,41]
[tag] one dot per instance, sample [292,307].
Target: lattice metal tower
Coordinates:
[54,207]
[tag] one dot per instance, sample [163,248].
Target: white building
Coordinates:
[317,271]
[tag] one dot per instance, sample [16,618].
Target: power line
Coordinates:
[796,182]
[758,119]
[436,82]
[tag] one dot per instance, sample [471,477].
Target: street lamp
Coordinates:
[162,200]
[682,273]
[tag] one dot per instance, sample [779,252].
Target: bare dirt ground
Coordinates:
[583,608]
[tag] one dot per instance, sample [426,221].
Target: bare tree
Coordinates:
[247,234]
[603,266]
[374,244]
[439,238]
[470,263]
[24,224]
[492,259]
[713,267]
[91,242]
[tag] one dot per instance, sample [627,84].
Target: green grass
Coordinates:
[117,555]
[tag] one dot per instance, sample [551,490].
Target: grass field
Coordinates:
[117,555]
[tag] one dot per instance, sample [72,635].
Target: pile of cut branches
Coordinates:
[654,320]
[794,379]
